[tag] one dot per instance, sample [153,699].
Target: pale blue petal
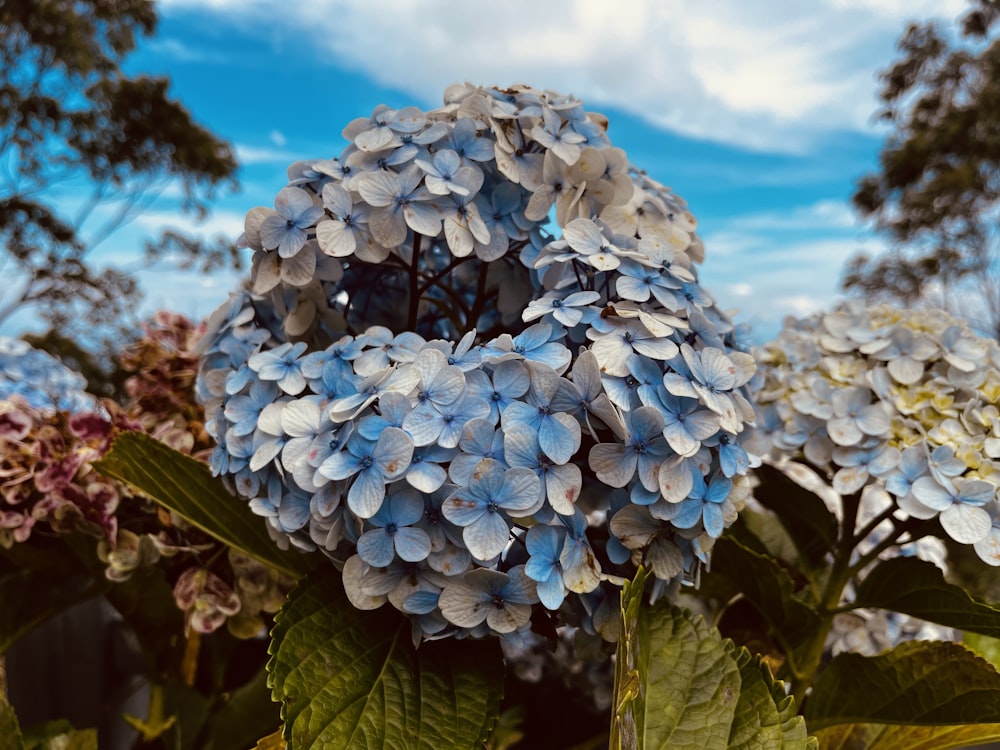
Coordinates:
[426,476]
[520,490]
[393,452]
[421,602]
[412,545]
[293,513]
[613,463]
[424,424]
[519,588]
[559,438]
[714,522]
[487,536]
[448,385]
[551,591]
[463,507]
[688,513]
[339,466]
[375,547]
[562,487]
[511,378]
[407,507]
[366,494]
[544,544]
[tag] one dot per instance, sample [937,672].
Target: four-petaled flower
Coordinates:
[482,508]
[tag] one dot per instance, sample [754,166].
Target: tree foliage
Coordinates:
[938,186]
[83,148]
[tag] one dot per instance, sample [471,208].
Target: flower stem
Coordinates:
[804,670]
[411,318]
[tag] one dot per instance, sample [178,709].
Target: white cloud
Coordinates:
[191,292]
[228,224]
[262,155]
[772,76]
[765,276]
[824,215]
[178,50]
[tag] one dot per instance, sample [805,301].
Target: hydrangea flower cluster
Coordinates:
[40,379]
[48,486]
[161,366]
[898,404]
[474,417]
[45,474]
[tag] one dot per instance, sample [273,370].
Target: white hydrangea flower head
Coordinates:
[899,400]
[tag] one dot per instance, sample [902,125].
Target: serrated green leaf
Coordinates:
[986,647]
[915,683]
[810,524]
[918,588]
[679,684]
[765,714]
[10,730]
[768,586]
[353,679]
[894,737]
[187,487]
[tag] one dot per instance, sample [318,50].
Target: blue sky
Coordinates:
[758,114]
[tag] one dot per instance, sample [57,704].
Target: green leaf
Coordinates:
[187,487]
[10,730]
[30,597]
[768,586]
[986,647]
[918,588]
[916,683]
[679,684]
[765,713]
[146,603]
[247,715]
[810,524]
[273,741]
[893,737]
[59,735]
[506,731]
[348,679]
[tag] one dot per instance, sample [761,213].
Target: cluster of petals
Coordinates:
[465,462]
[48,484]
[897,404]
[40,379]
[45,475]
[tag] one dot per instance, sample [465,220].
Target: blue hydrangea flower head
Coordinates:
[475,366]
[41,379]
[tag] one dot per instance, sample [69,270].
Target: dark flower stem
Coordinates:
[477,307]
[411,318]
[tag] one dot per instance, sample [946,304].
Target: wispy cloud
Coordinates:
[263,154]
[182,52]
[823,215]
[768,76]
[225,223]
